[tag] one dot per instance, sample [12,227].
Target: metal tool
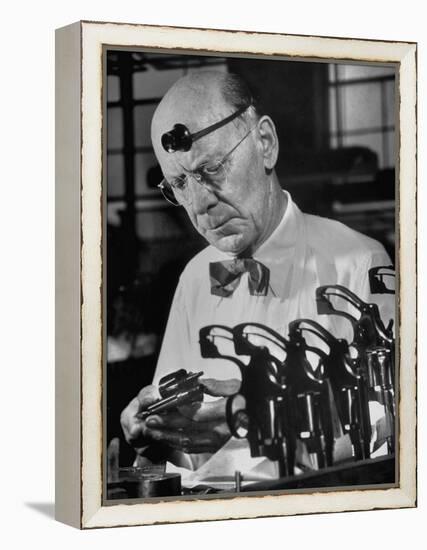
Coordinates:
[176,389]
[134,482]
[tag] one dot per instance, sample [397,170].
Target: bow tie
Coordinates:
[225,276]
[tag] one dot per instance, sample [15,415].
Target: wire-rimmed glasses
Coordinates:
[212,175]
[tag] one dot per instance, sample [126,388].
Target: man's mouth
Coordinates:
[218,224]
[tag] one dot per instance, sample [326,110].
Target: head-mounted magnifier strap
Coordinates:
[180,138]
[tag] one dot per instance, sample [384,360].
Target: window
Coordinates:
[136,81]
[372,126]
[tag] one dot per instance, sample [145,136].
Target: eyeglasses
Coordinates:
[211,175]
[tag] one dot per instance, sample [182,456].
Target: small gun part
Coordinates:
[382,280]
[176,389]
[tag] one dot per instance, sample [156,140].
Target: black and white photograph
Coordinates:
[213,275]
[250,247]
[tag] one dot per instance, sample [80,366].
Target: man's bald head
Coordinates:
[199,99]
[238,210]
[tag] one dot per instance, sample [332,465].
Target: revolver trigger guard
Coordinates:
[232,418]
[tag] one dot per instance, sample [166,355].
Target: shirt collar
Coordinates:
[282,238]
[277,251]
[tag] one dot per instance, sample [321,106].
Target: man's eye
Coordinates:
[213,169]
[177,183]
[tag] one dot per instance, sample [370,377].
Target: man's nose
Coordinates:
[201,197]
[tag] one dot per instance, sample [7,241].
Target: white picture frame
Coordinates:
[79,272]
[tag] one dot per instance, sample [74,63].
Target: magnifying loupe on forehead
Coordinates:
[181,139]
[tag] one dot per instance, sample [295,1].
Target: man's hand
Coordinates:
[135,429]
[196,428]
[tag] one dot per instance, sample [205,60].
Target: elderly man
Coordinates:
[264,261]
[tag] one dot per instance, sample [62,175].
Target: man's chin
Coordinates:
[230,244]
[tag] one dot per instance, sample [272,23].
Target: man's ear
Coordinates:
[269,141]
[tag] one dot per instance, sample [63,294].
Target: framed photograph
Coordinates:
[235,274]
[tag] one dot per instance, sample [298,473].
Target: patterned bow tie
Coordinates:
[225,276]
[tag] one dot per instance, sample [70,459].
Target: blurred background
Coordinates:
[336,125]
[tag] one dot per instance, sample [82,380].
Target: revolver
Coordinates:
[347,386]
[257,411]
[176,389]
[382,279]
[368,330]
[374,343]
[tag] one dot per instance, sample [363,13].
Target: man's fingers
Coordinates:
[147,396]
[206,412]
[202,421]
[131,425]
[210,439]
[220,388]
[195,428]
[128,416]
[173,438]
[168,421]
[207,441]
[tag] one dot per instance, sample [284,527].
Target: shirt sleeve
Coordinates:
[177,338]
[178,351]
